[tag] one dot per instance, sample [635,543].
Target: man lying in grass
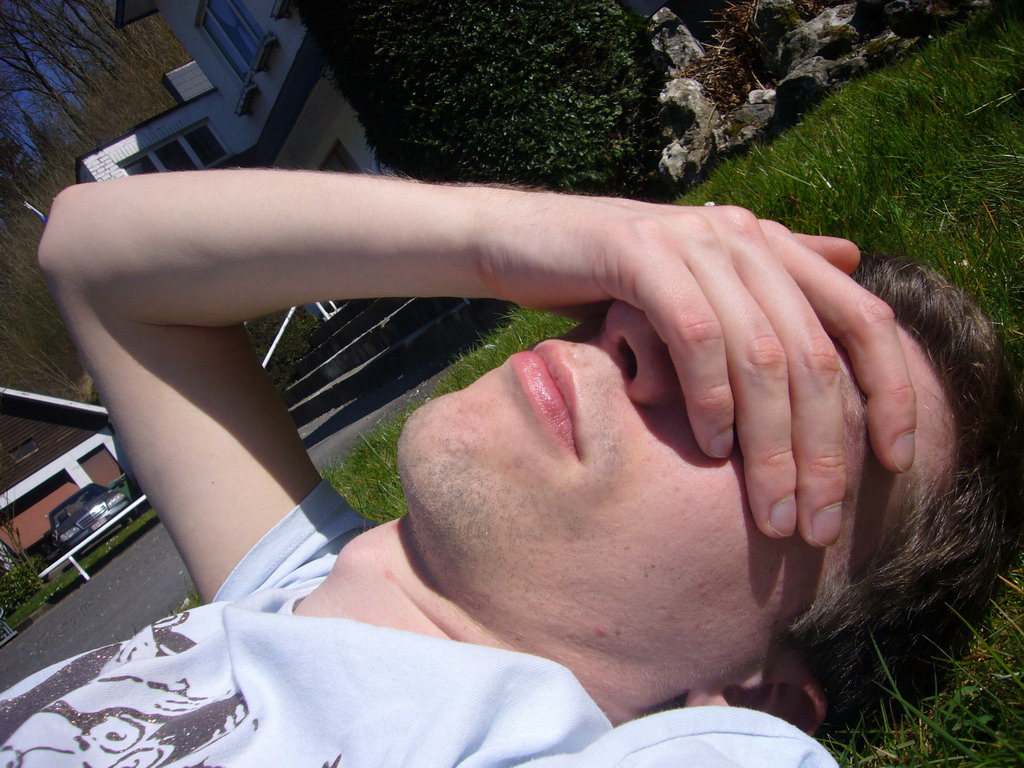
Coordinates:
[633,545]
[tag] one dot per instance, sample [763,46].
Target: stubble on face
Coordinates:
[585,563]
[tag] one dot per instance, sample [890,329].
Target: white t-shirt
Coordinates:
[243,682]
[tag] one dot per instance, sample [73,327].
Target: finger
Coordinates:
[758,374]
[880,366]
[759,371]
[818,437]
[816,399]
[815,420]
[678,309]
[817,414]
[840,253]
[865,326]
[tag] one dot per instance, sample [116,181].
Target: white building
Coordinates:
[255,94]
[54,447]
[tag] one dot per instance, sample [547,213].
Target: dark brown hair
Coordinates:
[936,567]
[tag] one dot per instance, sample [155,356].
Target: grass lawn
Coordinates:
[926,157]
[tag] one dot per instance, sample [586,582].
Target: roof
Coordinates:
[30,405]
[37,429]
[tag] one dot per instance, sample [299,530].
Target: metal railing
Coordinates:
[69,556]
[277,339]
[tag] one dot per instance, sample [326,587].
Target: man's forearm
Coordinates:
[154,276]
[220,247]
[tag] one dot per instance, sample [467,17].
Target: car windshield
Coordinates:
[90,492]
[75,504]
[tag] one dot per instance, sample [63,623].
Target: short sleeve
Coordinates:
[709,737]
[301,548]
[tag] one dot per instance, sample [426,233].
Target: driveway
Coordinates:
[144,583]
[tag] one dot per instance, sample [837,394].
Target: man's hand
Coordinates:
[747,309]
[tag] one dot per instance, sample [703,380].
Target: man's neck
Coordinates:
[375,582]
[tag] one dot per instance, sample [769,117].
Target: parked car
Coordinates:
[75,518]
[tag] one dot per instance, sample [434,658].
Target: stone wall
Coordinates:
[802,60]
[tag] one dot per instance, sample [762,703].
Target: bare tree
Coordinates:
[49,49]
[44,126]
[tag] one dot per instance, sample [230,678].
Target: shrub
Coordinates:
[294,345]
[20,583]
[546,93]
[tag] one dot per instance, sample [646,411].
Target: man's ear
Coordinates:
[785,689]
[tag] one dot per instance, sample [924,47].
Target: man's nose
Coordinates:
[640,353]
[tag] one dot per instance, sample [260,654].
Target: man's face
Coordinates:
[562,501]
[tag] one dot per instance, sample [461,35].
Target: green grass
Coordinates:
[96,557]
[925,157]
[977,719]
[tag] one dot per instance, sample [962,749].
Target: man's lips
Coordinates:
[545,394]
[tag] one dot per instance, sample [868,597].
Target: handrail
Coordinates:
[280,333]
[69,555]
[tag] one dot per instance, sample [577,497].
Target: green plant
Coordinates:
[545,93]
[291,348]
[20,583]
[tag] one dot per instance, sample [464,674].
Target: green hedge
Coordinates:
[547,93]
[294,345]
[20,583]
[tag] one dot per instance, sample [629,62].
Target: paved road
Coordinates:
[144,583]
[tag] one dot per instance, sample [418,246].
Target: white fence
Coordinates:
[69,557]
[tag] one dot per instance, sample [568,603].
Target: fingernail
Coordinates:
[902,453]
[782,518]
[721,444]
[825,525]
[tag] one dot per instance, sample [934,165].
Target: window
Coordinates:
[338,160]
[197,148]
[24,450]
[282,9]
[235,32]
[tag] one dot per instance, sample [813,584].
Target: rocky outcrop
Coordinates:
[673,45]
[805,60]
[689,121]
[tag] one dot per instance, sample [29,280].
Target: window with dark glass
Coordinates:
[196,148]
[338,160]
[204,145]
[24,450]
[235,31]
[142,165]
[173,157]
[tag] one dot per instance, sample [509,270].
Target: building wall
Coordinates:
[106,163]
[32,523]
[183,17]
[92,461]
[326,118]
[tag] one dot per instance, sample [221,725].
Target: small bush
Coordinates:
[20,583]
[545,93]
[294,345]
